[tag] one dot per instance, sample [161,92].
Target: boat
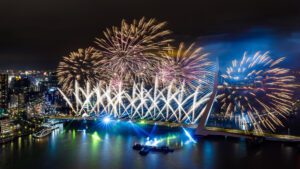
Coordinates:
[145,149]
[43,133]
[47,128]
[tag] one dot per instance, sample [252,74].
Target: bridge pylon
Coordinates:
[204,117]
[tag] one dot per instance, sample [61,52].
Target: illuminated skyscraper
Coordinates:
[3,92]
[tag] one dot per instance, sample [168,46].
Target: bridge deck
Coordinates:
[215,131]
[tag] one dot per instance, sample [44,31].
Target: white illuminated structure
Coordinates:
[171,103]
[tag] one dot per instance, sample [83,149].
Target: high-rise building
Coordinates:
[3,93]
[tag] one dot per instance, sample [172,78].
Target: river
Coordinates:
[110,147]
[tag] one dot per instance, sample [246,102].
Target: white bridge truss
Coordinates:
[171,103]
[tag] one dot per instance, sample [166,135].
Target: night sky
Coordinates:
[35,34]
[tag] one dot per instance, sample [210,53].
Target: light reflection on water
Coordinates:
[77,148]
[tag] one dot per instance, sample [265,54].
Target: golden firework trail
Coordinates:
[80,66]
[131,50]
[185,65]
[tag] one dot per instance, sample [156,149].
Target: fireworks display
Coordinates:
[188,66]
[137,74]
[81,66]
[257,91]
[131,51]
[160,104]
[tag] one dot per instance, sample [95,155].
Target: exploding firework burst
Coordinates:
[81,66]
[257,91]
[131,51]
[189,66]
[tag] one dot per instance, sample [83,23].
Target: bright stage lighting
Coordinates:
[191,139]
[106,120]
[142,122]
[153,142]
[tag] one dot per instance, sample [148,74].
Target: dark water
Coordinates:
[109,147]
